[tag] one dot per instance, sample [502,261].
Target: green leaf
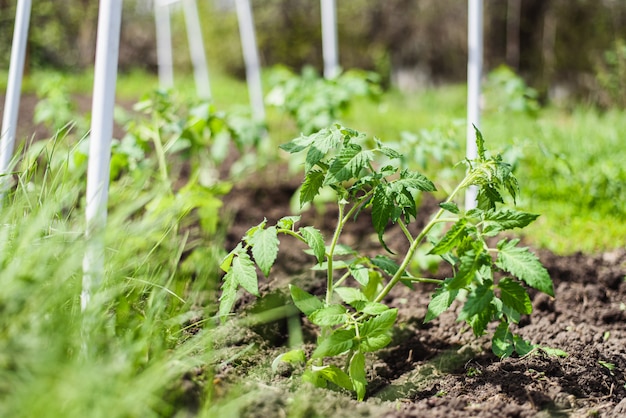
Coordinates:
[329,316]
[525,265]
[227,262]
[469,263]
[478,300]
[357,374]
[297,144]
[453,237]
[378,325]
[502,343]
[350,294]
[414,181]
[373,308]
[287,222]
[315,241]
[480,143]
[360,274]
[311,186]
[292,356]
[348,164]
[244,272]
[306,302]
[495,221]
[324,141]
[382,208]
[373,343]
[386,264]
[228,296]
[554,352]
[441,301]
[265,248]
[522,346]
[450,207]
[514,295]
[336,343]
[337,376]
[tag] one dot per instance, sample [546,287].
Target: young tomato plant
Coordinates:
[352,317]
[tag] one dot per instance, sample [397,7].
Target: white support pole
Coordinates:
[14,87]
[196,49]
[329,38]
[164,45]
[251,58]
[105,79]
[474,74]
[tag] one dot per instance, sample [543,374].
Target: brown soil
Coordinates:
[440,369]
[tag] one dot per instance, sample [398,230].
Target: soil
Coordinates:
[440,369]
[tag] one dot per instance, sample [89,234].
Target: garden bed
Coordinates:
[440,368]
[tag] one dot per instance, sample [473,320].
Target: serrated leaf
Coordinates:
[347,165]
[311,186]
[522,346]
[478,300]
[469,263]
[386,264]
[360,273]
[244,272]
[382,209]
[228,296]
[329,316]
[480,143]
[297,144]
[336,343]
[378,325]
[554,352]
[502,343]
[323,141]
[440,302]
[358,375]
[292,356]
[350,294]
[306,302]
[265,248]
[480,321]
[226,263]
[287,222]
[451,239]
[370,308]
[504,219]
[389,152]
[415,181]
[514,295]
[315,241]
[487,197]
[525,265]
[373,343]
[337,376]
[450,207]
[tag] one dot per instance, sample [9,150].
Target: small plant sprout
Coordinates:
[352,317]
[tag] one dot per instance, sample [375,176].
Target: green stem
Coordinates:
[331,252]
[158,146]
[406,231]
[415,244]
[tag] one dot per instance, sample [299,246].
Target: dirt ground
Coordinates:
[441,369]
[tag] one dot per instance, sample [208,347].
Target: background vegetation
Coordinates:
[559,47]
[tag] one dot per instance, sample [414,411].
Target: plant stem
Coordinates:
[415,244]
[331,252]
[160,152]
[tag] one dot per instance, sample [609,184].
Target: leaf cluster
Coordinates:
[352,318]
[316,102]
